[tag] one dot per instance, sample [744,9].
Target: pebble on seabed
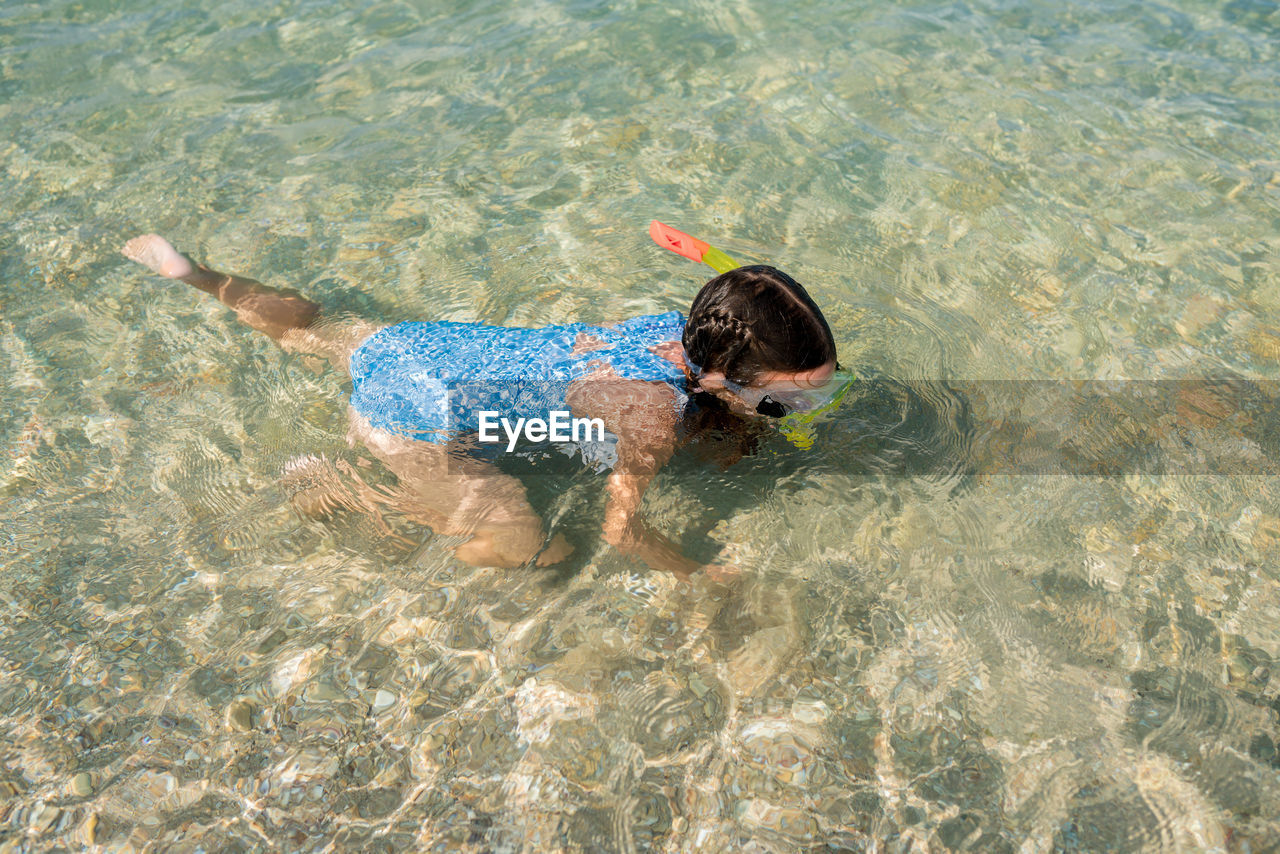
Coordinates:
[82,785]
[239,715]
[382,701]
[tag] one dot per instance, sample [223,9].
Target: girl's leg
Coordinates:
[451,494]
[459,496]
[274,311]
[282,313]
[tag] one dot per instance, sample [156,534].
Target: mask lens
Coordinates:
[808,399]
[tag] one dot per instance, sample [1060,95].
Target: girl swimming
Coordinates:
[754,343]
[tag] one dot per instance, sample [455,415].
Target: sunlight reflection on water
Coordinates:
[924,649]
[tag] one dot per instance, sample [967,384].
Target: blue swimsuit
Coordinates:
[429,381]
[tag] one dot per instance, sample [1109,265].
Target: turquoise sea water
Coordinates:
[923,655]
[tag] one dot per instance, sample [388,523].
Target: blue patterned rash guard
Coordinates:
[430,381]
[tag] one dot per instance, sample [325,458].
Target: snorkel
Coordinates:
[799,426]
[691,247]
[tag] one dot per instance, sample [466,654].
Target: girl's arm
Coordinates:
[643,417]
[624,528]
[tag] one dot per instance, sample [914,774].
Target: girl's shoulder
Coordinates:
[665,326]
[628,347]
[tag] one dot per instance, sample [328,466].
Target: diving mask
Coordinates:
[781,400]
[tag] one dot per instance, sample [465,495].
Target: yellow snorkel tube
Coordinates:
[798,427]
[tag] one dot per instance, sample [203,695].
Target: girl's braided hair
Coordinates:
[756,319]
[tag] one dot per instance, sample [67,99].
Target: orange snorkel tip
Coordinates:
[690,247]
[677,241]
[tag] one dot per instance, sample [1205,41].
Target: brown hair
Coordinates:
[756,319]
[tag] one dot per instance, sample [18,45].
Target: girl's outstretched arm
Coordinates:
[643,417]
[624,527]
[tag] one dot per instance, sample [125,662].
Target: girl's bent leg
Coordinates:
[455,495]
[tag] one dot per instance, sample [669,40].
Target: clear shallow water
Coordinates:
[923,652]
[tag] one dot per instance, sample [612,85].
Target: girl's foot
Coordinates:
[314,487]
[158,254]
[557,550]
